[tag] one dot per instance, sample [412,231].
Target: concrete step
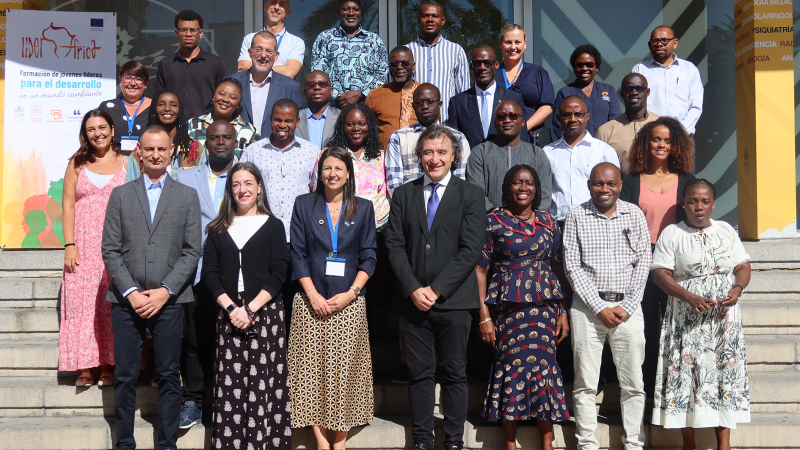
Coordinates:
[774,254]
[773,353]
[774,282]
[16,323]
[31,260]
[28,358]
[778,431]
[18,292]
[770,317]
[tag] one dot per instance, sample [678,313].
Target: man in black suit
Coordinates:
[435,237]
[151,246]
[262,86]
[472,111]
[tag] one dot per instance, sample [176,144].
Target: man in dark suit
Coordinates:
[151,245]
[318,118]
[472,111]
[262,86]
[435,237]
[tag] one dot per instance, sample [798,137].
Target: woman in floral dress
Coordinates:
[526,319]
[701,381]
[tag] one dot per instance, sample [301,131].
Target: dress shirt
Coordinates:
[287,173]
[675,90]
[193,82]
[258,98]
[619,133]
[571,169]
[153,194]
[607,254]
[316,127]
[290,47]
[401,166]
[603,105]
[486,96]
[216,185]
[428,191]
[358,63]
[443,64]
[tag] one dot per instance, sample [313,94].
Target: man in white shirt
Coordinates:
[676,88]
[291,48]
[573,156]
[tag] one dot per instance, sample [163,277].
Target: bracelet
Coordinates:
[484,321]
[67,245]
[312,289]
[249,312]
[739,286]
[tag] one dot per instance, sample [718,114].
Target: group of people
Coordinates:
[206,209]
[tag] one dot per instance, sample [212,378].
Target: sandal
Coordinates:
[86,378]
[106,379]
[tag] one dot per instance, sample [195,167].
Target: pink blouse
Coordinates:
[659,209]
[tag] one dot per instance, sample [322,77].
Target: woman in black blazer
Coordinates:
[244,267]
[661,160]
[333,256]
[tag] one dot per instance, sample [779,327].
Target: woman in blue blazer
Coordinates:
[333,256]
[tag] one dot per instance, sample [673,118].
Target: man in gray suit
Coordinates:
[208,180]
[317,119]
[151,246]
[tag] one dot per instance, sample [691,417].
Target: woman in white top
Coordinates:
[701,264]
[244,267]
[85,338]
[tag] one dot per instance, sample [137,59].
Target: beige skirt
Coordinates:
[330,367]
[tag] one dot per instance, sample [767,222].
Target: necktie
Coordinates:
[433,204]
[485,116]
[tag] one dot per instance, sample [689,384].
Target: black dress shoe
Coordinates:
[422,447]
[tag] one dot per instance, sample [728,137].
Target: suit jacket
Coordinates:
[445,256]
[149,255]
[280,87]
[331,116]
[311,243]
[464,114]
[197,179]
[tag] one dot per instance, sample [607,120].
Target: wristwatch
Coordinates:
[230,308]
[356,289]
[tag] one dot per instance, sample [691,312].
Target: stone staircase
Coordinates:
[41,408]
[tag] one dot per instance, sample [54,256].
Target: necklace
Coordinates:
[106,165]
[524,219]
[132,105]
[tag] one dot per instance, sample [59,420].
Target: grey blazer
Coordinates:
[331,115]
[149,255]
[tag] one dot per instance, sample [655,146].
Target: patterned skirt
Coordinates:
[330,367]
[251,398]
[701,380]
[526,381]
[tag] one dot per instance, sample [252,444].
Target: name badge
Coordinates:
[334,267]
[128,143]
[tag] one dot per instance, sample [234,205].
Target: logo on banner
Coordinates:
[63,44]
[56,113]
[76,116]
[36,113]
[96,24]
[19,113]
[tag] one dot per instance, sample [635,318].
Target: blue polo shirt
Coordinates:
[603,105]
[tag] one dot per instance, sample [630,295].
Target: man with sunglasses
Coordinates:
[318,118]
[392,102]
[620,131]
[490,160]
[262,86]
[675,83]
[483,97]
[191,73]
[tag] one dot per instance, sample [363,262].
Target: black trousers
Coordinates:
[436,341]
[654,304]
[129,333]
[200,345]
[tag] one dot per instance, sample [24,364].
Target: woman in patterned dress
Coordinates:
[166,111]
[526,320]
[330,368]
[227,105]
[85,338]
[701,381]
[244,267]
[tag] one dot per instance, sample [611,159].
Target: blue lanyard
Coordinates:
[131,119]
[334,232]
[505,78]
[278,47]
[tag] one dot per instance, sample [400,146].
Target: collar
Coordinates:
[492,89]
[268,144]
[439,40]
[652,61]
[266,80]
[418,126]
[157,185]
[211,173]
[208,118]
[178,56]
[359,32]
[311,115]
[587,141]
[622,208]
[444,181]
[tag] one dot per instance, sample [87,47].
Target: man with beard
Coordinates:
[620,131]
[573,156]
[490,160]
[262,86]
[291,48]
[392,102]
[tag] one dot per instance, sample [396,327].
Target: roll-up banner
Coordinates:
[59,65]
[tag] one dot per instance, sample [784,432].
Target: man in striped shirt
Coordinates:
[440,62]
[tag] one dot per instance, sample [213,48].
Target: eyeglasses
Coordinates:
[513,116]
[313,84]
[129,78]
[477,63]
[426,102]
[187,30]
[396,64]
[258,51]
[629,89]
[581,65]
[578,115]
[664,41]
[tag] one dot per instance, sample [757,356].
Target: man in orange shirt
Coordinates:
[392,102]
